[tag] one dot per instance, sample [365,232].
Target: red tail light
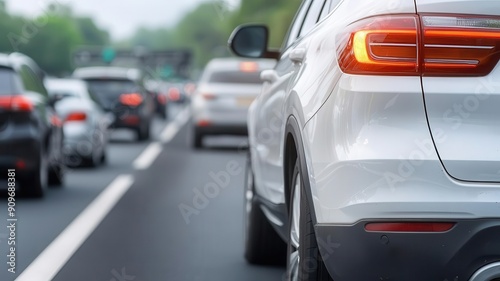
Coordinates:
[409,227]
[162,98]
[385,45]
[76,117]
[431,45]
[16,103]
[460,45]
[133,99]
[174,94]
[208,96]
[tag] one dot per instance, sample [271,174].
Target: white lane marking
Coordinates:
[57,254]
[169,133]
[148,156]
[173,128]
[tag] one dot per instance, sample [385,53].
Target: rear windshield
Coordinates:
[64,93]
[107,92]
[235,77]
[9,82]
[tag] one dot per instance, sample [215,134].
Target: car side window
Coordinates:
[329,6]
[293,33]
[31,81]
[312,17]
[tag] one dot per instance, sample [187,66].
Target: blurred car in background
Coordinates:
[156,88]
[225,91]
[31,135]
[85,124]
[122,92]
[176,92]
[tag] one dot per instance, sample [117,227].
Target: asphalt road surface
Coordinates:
[158,210]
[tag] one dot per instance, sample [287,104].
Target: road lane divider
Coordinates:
[169,133]
[173,128]
[56,255]
[148,156]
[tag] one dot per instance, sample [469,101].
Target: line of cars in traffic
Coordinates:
[47,124]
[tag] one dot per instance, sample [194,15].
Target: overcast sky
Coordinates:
[120,17]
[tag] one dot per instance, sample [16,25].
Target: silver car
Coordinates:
[225,91]
[85,124]
[375,143]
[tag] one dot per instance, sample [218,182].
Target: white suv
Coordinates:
[375,143]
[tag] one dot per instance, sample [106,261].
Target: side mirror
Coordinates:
[251,41]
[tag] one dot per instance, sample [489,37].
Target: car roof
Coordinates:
[5,61]
[107,72]
[65,83]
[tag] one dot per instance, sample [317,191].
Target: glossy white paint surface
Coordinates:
[368,146]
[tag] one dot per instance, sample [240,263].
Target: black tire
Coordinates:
[311,266]
[34,186]
[104,158]
[163,113]
[89,162]
[263,246]
[56,174]
[143,132]
[197,139]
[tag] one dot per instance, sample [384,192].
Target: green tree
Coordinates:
[91,33]
[52,43]
[203,31]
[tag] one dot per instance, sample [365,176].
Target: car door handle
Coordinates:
[269,75]
[298,55]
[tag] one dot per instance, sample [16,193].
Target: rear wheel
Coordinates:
[56,174]
[35,185]
[197,139]
[304,259]
[143,132]
[262,244]
[104,158]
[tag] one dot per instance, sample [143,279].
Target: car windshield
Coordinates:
[107,92]
[7,82]
[235,77]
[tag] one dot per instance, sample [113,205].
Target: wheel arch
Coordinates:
[293,151]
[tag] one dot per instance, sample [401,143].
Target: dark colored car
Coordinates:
[122,92]
[156,88]
[31,133]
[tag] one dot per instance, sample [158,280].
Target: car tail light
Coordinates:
[409,226]
[385,45]
[132,99]
[76,116]
[16,103]
[430,45]
[208,96]
[204,123]
[249,66]
[20,164]
[460,45]
[162,98]
[174,94]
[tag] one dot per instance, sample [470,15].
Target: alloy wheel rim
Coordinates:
[294,256]
[248,194]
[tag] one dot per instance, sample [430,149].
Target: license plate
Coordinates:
[244,101]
